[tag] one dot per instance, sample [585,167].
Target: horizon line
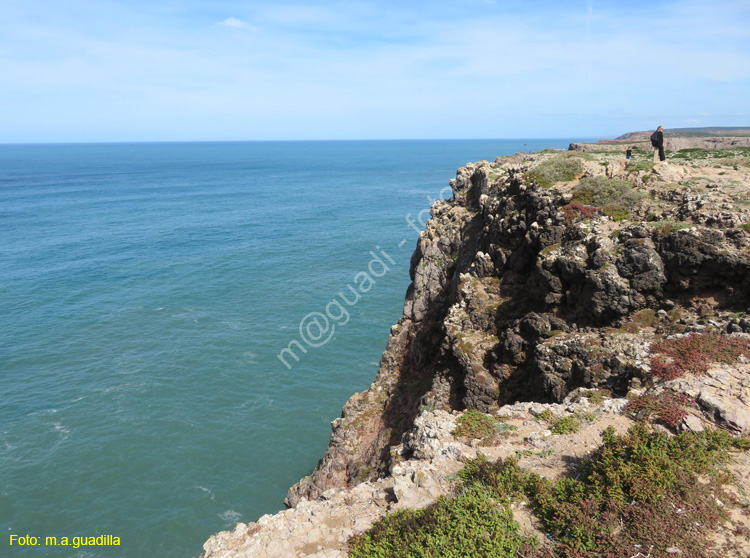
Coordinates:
[131,142]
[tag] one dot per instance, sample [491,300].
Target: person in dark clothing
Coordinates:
[629,153]
[657,140]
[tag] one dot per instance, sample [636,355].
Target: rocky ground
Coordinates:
[547,277]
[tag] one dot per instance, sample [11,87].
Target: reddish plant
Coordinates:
[666,408]
[574,209]
[694,353]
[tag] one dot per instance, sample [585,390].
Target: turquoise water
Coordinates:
[146,293]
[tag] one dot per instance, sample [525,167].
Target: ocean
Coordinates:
[179,325]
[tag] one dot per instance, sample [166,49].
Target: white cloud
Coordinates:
[236,24]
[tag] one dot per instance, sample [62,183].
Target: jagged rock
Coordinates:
[726,410]
[692,424]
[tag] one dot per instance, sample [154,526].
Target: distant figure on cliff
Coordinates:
[657,141]
[629,153]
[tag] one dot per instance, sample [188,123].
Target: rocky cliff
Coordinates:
[546,277]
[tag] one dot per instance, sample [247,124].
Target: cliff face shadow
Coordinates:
[416,374]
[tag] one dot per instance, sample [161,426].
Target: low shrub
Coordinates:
[637,166]
[473,424]
[694,353]
[575,209]
[665,408]
[665,228]
[616,213]
[606,192]
[472,524]
[566,425]
[556,169]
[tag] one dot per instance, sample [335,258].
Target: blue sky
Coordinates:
[110,70]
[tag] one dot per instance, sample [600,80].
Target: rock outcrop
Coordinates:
[523,295]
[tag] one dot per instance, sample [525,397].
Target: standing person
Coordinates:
[657,141]
[629,153]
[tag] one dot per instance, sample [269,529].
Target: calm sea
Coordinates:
[146,293]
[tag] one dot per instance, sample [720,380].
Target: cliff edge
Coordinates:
[551,285]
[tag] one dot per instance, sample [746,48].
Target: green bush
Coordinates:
[606,192]
[473,424]
[566,425]
[616,213]
[636,166]
[556,169]
[470,525]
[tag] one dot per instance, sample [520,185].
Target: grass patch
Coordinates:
[637,166]
[696,154]
[616,213]
[473,424]
[472,524]
[596,396]
[545,415]
[694,353]
[566,425]
[556,169]
[665,228]
[606,192]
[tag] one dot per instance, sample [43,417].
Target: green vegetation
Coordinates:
[612,195]
[745,227]
[617,214]
[638,491]
[578,155]
[473,424]
[472,524]
[697,154]
[665,228]
[637,166]
[545,415]
[606,192]
[566,425]
[596,396]
[556,169]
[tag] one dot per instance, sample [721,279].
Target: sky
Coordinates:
[206,70]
